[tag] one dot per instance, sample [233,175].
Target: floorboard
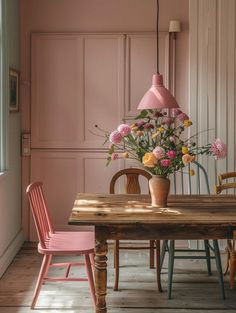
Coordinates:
[193,290]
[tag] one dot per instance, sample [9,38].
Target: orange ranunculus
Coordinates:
[139,133]
[187,158]
[125,155]
[134,129]
[149,159]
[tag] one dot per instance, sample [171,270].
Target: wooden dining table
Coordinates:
[131,217]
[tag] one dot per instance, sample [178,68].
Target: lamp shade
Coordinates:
[157,97]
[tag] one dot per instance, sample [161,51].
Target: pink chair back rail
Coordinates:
[41,217]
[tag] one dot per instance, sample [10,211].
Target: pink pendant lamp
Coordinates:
[157,97]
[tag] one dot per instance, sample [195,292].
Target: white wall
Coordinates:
[213,78]
[11,237]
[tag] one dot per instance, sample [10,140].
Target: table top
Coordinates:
[100,209]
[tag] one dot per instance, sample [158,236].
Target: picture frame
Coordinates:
[14,90]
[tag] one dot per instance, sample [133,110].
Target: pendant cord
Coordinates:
[157,35]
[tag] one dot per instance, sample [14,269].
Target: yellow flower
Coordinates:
[161,129]
[149,159]
[155,135]
[187,123]
[191,172]
[188,158]
[126,155]
[185,150]
[134,129]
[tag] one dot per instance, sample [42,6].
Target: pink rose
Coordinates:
[114,156]
[171,154]
[115,137]
[139,123]
[176,112]
[167,120]
[159,153]
[124,130]
[182,117]
[218,149]
[165,162]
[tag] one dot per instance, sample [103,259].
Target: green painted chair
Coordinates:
[195,185]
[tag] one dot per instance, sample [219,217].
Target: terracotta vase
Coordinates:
[159,189]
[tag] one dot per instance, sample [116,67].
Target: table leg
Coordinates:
[101,275]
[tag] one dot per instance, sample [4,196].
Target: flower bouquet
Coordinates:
[159,142]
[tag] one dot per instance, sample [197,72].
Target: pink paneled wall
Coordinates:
[83,16]
[106,16]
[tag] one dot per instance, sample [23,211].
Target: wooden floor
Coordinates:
[193,290]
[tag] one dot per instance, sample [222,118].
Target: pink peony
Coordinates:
[171,154]
[165,162]
[182,117]
[159,153]
[115,137]
[167,120]
[176,112]
[218,149]
[124,130]
[114,156]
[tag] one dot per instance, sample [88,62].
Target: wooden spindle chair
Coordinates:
[132,186]
[60,243]
[223,184]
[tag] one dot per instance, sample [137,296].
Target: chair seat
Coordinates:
[69,243]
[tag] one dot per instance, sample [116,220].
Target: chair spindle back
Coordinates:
[226,185]
[40,213]
[132,185]
[194,183]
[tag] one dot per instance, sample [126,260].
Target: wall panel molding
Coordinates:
[213,78]
[141,47]
[11,251]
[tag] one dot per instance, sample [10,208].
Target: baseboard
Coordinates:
[10,252]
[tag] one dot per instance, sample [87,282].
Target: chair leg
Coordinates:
[90,277]
[208,256]
[164,248]
[158,265]
[152,248]
[232,269]
[227,262]
[114,253]
[91,256]
[117,264]
[171,266]
[219,267]
[43,271]
[46,272]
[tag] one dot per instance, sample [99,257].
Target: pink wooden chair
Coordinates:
[61,243]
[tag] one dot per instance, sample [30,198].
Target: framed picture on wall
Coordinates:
[14,90]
